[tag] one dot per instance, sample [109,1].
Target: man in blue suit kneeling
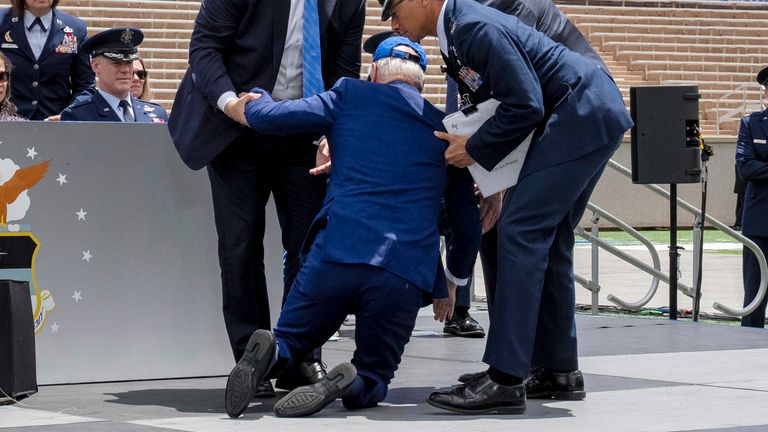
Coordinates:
[373,250]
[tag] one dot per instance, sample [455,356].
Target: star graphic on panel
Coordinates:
[62,179]
[55,327]
[81,214]
[31,153]
[78,295]
[87,255]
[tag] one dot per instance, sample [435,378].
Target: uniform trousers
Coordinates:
[324,293]
[751,274]
[532,319]
[242,179]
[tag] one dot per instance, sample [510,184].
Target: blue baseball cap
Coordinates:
[387,49]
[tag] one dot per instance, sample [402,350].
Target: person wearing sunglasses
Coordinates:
[140,88]
[112,55]
[44,45]
[7,108]
[752,166]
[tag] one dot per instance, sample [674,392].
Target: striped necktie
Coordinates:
[313,71]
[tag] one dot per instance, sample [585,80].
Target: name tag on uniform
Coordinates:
[759,141]
[9,45]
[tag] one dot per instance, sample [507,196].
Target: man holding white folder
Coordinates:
[578,118]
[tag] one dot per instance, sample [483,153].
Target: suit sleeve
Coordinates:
[81,74]
[315,114]
[749,166]
[347,59]
[463,218]
[215,29]
[504,66]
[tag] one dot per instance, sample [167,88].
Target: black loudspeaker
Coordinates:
[665,144]
[18,376]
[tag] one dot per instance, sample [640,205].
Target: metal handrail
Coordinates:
[737,312]
[743,89]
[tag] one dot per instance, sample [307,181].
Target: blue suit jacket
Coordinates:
[91,106]
[44,87]
[752,163]
[572,104]
[388,177]
[237,45]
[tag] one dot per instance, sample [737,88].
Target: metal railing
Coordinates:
[725,114]
[654,270]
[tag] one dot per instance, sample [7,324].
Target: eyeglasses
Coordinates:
[141,74]
[5,76]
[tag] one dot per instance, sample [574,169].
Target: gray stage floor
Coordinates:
[641,375]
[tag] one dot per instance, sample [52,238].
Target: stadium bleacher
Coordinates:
[718,46]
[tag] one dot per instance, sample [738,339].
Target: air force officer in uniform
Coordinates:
[44,45]
[752,165]
[373,250]
[112,54]
[578,118]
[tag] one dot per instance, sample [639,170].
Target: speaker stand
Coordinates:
[673,251]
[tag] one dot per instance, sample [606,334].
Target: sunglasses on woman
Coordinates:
[5,76]
[141,74]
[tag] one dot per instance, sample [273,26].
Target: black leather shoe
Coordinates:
[464,326]
[306,373]
[307,400]
[545,384]
[264,390]
[249,372]
[481,396]
[469,377]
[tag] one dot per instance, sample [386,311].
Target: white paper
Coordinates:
[506,172]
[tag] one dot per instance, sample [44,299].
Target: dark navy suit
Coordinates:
[44,87]
[579,118]
[92,106]
[373,249]
[237,45]
[752,163]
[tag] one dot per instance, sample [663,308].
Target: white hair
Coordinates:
[393,68]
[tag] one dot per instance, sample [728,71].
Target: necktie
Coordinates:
[37,22]
[127,116]
[313,72]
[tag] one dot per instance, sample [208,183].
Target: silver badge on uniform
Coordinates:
[68,29]
[127,36]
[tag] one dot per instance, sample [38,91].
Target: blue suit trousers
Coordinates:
[751,273]
[532,321]
[324,293]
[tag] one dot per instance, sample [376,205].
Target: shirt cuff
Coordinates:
[454,279]
[223,99]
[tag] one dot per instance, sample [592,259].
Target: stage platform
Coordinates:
[648,375]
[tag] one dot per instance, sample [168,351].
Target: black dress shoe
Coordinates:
[481,396]
[463,325]
[264,390]
[306,373]
[307,400]
[546,384]
[249,372]
[471,376]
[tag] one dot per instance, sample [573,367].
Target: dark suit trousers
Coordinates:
[384,304]
[532,319]
[242,179]
[751,273]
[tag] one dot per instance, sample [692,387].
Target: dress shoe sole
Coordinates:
[468,334]
[248,372]
[559,395]
[307,400]
[505,409]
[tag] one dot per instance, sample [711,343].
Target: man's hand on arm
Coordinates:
[322,158]
[235,108]
[443,307]
[456,153]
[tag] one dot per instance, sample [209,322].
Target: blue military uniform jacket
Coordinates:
[381,208]
[91,106]
[572,104]
[752,163]
[44,86]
